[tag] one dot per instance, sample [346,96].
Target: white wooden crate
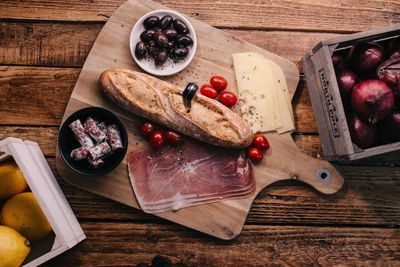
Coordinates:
[41,180]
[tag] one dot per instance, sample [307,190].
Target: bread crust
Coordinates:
[162,102]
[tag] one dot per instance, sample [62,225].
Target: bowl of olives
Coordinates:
[163,42]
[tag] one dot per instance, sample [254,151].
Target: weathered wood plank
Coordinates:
[49,44]
[335,16]
[126,244]
[44,93]
[369,197]
[35,96]
[68,44]
[46,137]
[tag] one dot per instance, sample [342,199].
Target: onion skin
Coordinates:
[389,72]
[363,134]
[372,100]
[389,128]
[346,81]
[365,58]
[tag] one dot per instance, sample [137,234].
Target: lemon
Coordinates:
[11,180]
[13,247]
[23,213]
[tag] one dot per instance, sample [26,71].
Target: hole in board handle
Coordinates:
[323,175]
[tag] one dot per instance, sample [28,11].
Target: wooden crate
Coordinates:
[325,96]
[66,230]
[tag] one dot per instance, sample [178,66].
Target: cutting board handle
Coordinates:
[295,164]
[321,175]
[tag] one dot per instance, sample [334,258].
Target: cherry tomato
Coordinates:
[173,137]
[208,91]
[157,139]
[260,141]
[255,154]
[147,129]
[229,99]
[218,83]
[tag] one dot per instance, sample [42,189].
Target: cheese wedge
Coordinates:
[256,92]
[263,93]
[283,98]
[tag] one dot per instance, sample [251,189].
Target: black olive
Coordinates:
[170,45]
[180,26]
[160,58]
[147,35]
[184,40]
[171,34]
[142,264]
[151,22]
[165,21]
[181,52]
[140,50]
[160,261]
[160,39]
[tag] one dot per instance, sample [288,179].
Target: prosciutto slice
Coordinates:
[192,174]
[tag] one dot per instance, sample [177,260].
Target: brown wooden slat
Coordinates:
[119,244]
[369,197]
[329,15]
[68,44]
[44,93]
[35,96]
[46,137]
[49,44]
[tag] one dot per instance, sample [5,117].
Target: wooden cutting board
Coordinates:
[213,56]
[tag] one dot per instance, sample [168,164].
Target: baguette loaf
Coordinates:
[162,102]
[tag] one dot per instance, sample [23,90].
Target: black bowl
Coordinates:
[67,141]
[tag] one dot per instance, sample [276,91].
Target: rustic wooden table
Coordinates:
[43,45]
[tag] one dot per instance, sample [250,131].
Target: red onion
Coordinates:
[389,128]
[389,71]
[362,134]
[346,81]
[372,100]
[364,58]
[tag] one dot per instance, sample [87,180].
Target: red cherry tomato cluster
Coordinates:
[158,138]
[260,144]
[217,87]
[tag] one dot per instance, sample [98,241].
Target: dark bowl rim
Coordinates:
[124,134]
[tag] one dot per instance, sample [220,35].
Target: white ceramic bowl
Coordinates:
[169,67]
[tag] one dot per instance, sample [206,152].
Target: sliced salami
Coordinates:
[114,137]
[99,151]
[80,134]
[92,128]
[79,153]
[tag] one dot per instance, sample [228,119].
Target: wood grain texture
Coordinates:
[126,244]
[68,44]
[369,198]
[48,44]
[334,16]
[41,92]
